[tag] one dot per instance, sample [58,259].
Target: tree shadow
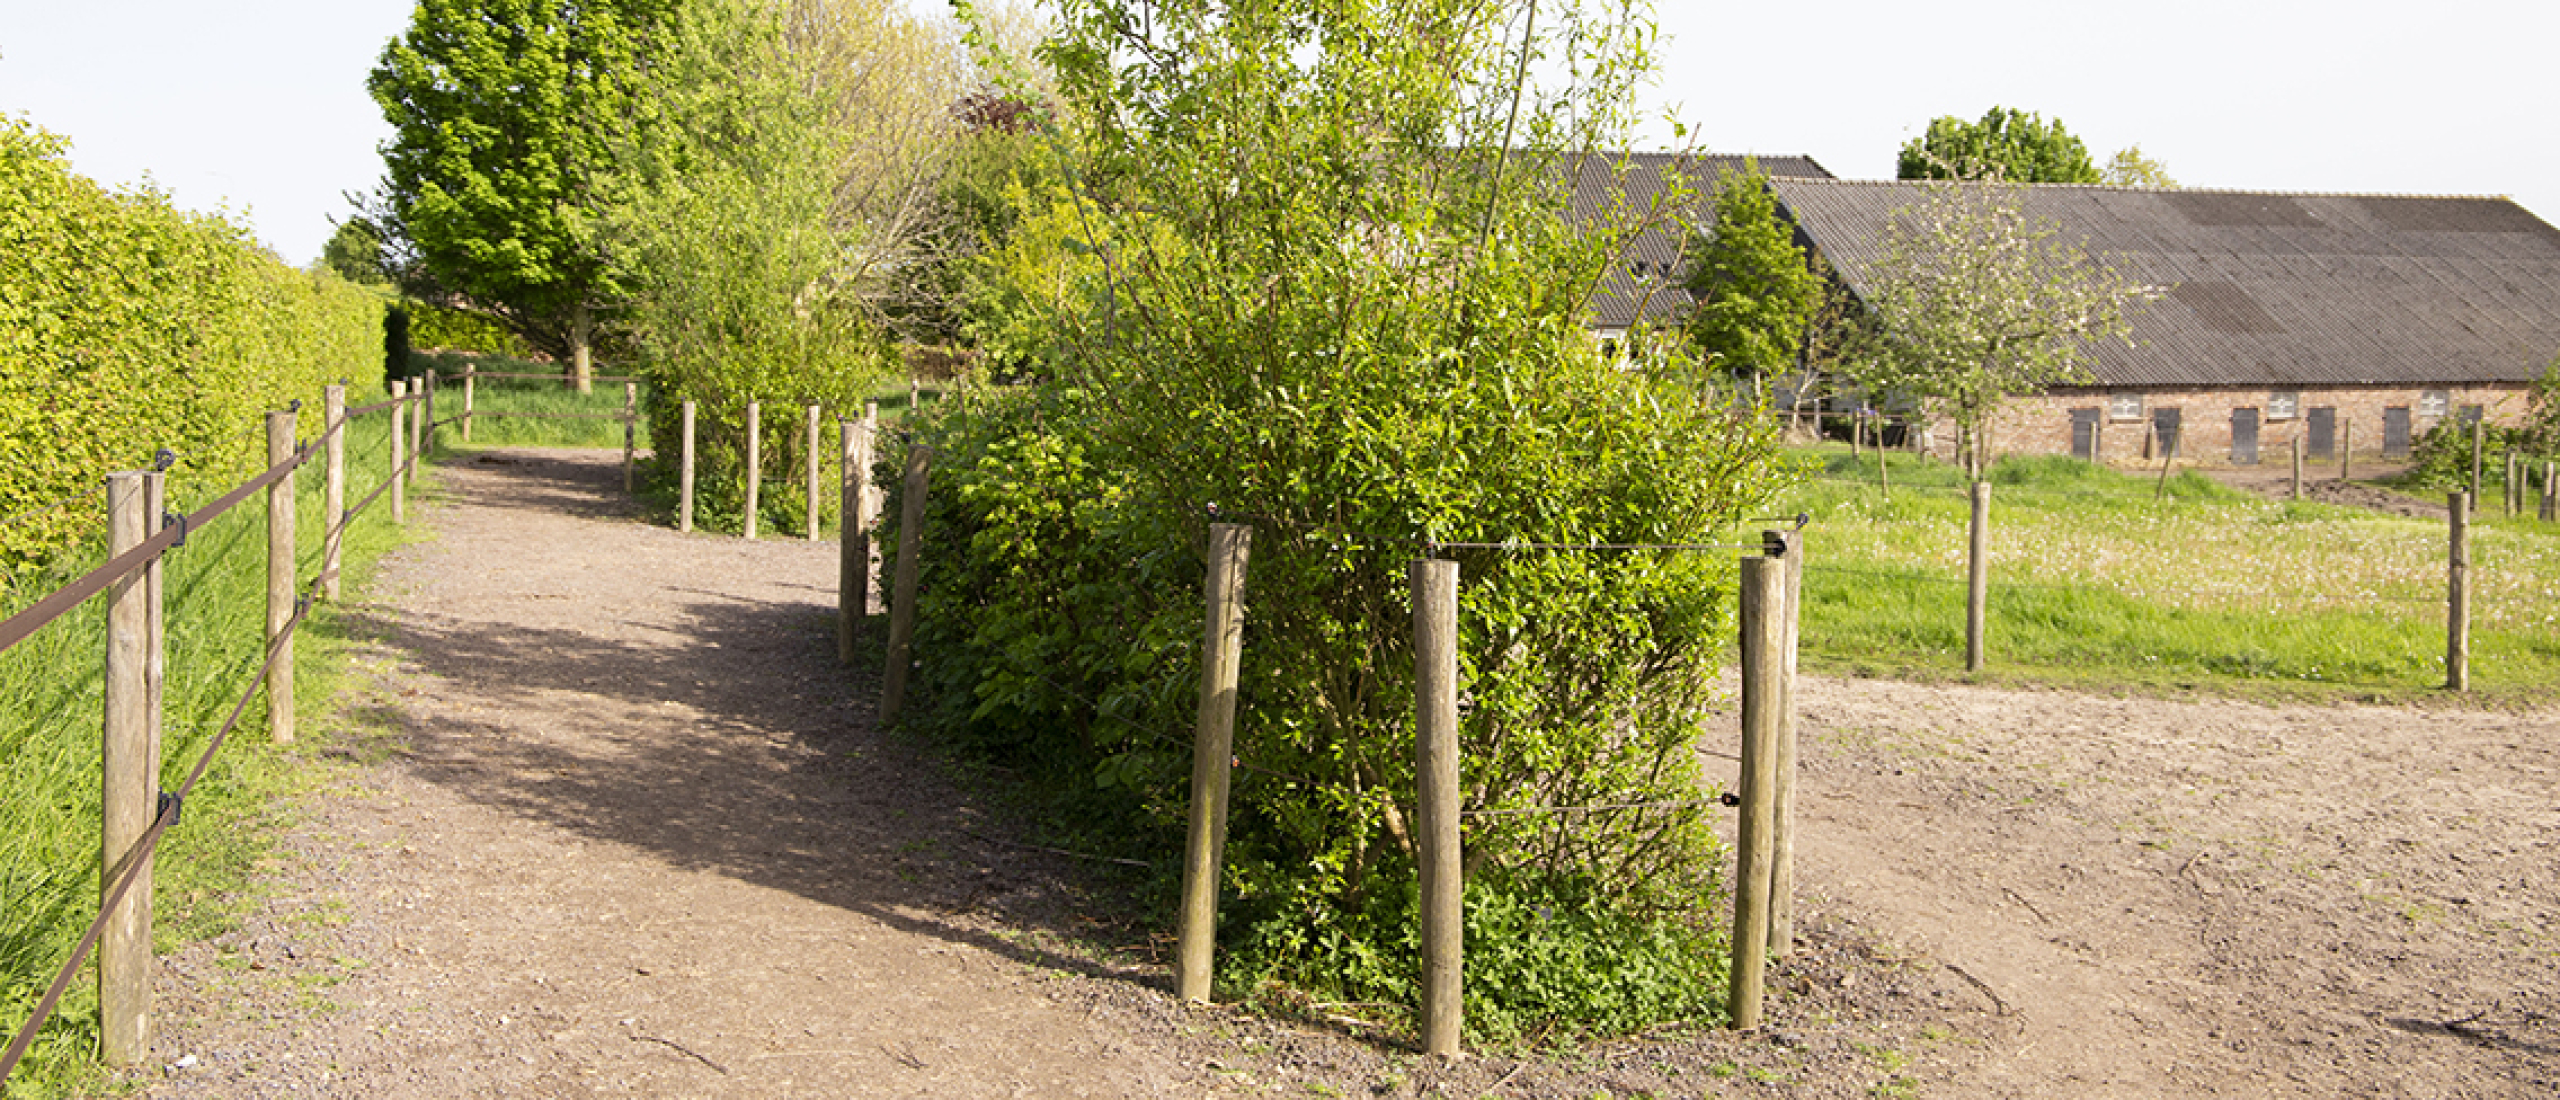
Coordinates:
[722,736]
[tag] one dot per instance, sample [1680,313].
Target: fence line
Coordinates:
[133,720]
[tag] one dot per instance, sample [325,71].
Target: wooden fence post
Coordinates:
[2550,492]
[902,604]
[814,467]
[417,428]
[2479,440]
[2346,449]
[630,433]
[1763,610]
[1212,754]
[469,373]
[399,451]
[427,417]
[280,565]
[2457,616]
[853,549]
[2297,467]
[684,474]
[915,396]
[755,462]
[1977,577]
[333,489]
[130,784]
[1884,468]
[1435,704]
[875,496]
[1787,546]
[2168,460]
[2514,489]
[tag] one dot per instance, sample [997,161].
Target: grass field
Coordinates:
[50,706]
[2094,581]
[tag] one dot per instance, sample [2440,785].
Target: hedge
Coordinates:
[128,326]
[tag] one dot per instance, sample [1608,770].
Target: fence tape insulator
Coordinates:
[293,406]
[172,806]
[174,519]
[163,460]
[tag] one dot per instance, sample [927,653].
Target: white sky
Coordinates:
[260,107]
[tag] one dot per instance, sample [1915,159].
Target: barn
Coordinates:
[2343,321]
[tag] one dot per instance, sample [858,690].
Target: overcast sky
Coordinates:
[260,107]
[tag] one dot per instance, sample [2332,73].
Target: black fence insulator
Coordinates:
[177,520]
[164,460]
[172,806]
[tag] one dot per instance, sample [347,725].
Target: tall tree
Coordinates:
[1756,292]
[1974,301]
[498,173]
[2018,146]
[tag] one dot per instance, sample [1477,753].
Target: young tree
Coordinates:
[498,176]
[1756,291]
[2129,167]
[1973,301]
[2009,144]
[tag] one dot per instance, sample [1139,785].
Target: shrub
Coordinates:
[127,326]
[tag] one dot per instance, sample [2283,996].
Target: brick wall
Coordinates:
[2041,424]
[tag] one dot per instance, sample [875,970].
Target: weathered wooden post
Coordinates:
[427,418]
[129,782]
[630,433]
[875,496]
[417,428]
[2346,449]
[853,550]
[1212,754]
[470,372]
[2514,495]
[2550,492]
[333,488]
[1977,577]
[915,396]
[2457,615]
[902,603]
[1435,703]
[2297,467]
[399,451]
[280,547]
[1789,547]
[811,450]
[684,472]
[755,462]
[2479,441]
[1763,610]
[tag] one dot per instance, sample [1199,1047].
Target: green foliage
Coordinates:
[127,326]
[732,251]
[395,343]
[2009,144]
[354,251]
[1320,275]
[2540,432]
[2130,167]
[1756,291]
[444,328]
[498,171]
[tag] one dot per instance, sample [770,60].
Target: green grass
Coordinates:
[529,400]
[50,703]
[2095,580]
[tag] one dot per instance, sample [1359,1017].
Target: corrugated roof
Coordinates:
[2274,289]
[1647,281]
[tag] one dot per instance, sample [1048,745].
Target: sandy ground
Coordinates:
[612,822]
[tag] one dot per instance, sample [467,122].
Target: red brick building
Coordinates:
[2356,320]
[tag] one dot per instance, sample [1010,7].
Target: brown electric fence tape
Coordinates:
[170,805]
[442,378]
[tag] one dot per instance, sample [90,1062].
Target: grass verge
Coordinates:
[50,703]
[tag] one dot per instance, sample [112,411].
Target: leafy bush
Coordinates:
[127,326]
[444,328]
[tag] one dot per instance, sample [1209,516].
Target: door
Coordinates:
[2084,434]
[2324,433]
[2244,437]
[2164,431]
[2395,432]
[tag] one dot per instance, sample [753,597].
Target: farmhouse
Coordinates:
[2341,320]
[1645,288]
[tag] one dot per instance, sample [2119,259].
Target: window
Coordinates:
[2124,406]
[2283,406]
[2432,403]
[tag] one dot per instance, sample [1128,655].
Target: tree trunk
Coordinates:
[581,342]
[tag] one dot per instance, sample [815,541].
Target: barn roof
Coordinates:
[1647,282]
[2274,289]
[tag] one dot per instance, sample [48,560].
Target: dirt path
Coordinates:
[625,830]
[2156,898]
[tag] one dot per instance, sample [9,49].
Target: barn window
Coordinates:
[2432,403]
[2284,405]
[2124,406]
